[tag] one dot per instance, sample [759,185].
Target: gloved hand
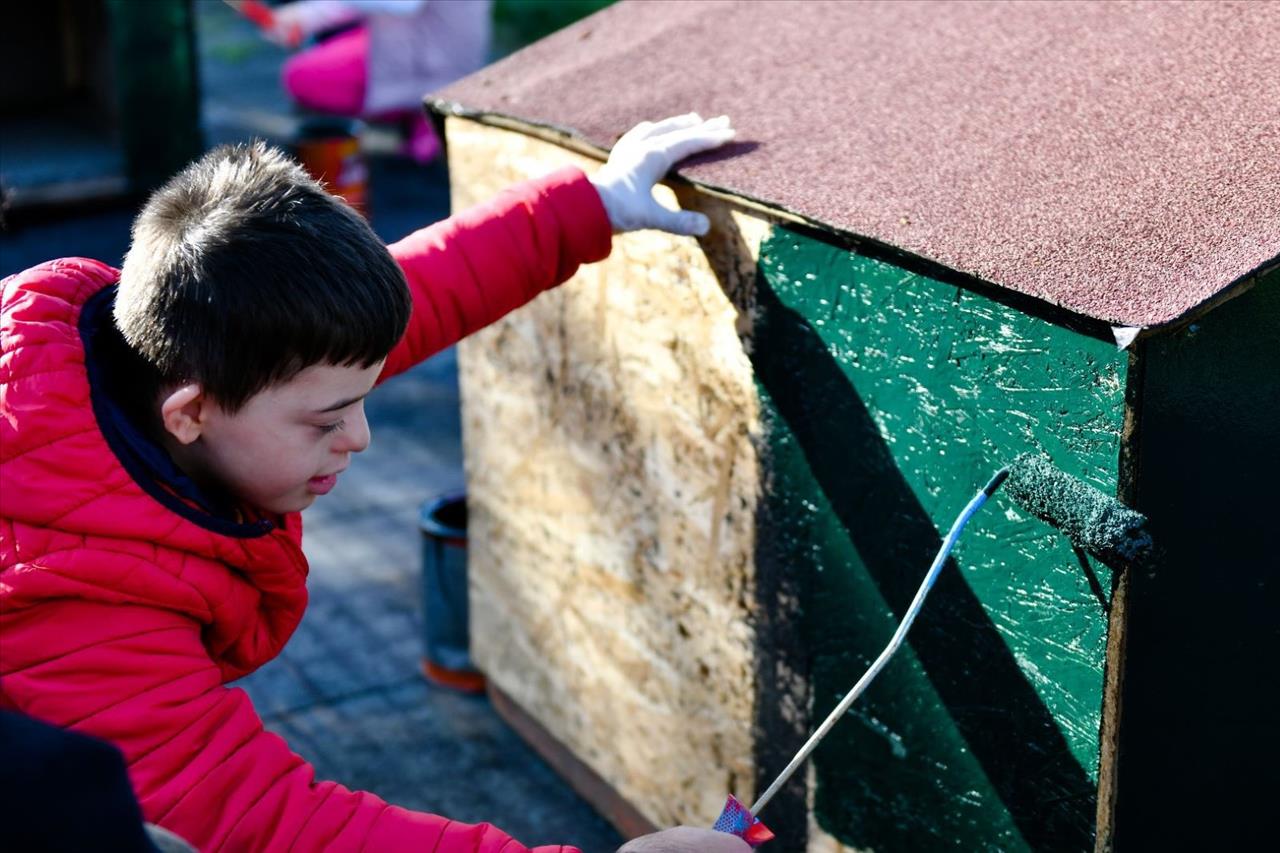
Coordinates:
[641,158]
[295,22]
[686,839]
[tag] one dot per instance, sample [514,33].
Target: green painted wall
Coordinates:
[891,398]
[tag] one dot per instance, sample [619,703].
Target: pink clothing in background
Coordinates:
[400,53]
[332,76]
[382,69]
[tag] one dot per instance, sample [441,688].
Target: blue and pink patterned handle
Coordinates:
[737,819]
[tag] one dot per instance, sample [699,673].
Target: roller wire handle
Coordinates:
[749,820]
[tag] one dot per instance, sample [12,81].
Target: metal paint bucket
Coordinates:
[447,661]
[329,149]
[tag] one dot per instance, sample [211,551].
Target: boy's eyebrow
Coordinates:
[342,404]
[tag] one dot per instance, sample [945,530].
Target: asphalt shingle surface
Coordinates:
[346,691]
[1114,159]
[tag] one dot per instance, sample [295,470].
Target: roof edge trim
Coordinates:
[568,138]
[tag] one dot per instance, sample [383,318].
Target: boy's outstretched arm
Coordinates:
[473,268]
[199,759]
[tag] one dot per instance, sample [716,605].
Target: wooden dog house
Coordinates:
[706,476]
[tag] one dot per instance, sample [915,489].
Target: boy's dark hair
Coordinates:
[243,271]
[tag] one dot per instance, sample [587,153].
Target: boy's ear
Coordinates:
[184,412]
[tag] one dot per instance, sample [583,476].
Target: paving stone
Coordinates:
[280,688]
[437,751]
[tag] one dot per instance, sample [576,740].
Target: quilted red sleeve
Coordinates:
[199,759]
[471,269]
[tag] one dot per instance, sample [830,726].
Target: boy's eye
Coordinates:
[333,427]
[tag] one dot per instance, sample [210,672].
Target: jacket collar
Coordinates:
[147,462]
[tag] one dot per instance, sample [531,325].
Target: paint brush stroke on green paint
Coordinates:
[891,398]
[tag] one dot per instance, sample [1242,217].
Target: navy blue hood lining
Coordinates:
[147,462]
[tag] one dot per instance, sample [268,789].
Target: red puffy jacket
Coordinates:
[124,619]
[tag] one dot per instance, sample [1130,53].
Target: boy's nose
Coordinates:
[356,436]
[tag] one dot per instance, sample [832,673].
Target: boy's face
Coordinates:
[287,444]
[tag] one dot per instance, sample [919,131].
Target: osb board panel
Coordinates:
[818,840]
[612,481]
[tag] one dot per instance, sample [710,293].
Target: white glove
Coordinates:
[295,22]
[686,839]
[641,158]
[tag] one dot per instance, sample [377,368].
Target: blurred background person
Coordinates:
[375,59]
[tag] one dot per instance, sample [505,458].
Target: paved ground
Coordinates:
[346,692]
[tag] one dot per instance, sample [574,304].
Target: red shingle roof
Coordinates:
[1119,160]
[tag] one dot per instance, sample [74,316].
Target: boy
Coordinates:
[164,425]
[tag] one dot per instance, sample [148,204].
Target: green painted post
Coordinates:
[154,52]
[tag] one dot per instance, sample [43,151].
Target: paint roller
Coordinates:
[1094,522]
